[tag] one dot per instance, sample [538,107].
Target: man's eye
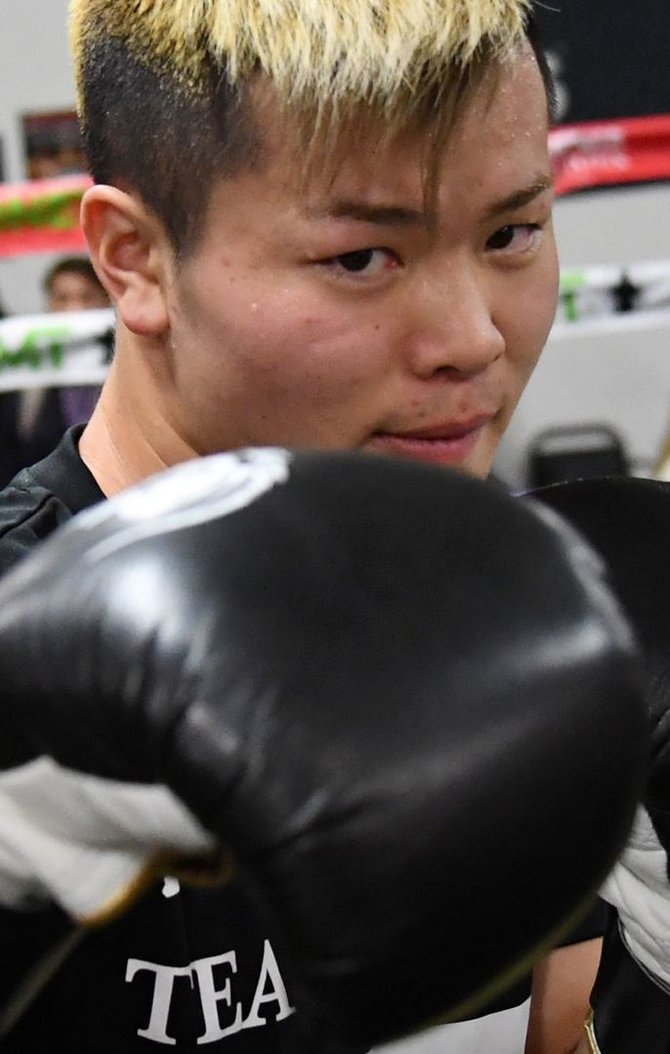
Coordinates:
[519,237]
[366,262]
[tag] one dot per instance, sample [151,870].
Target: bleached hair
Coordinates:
[335,54]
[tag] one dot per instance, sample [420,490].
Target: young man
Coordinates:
[321,225]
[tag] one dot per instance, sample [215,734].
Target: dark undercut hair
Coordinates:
[144,132]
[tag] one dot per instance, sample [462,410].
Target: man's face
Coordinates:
[343,316]
[71,291]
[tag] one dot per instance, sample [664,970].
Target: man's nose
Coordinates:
[453,326]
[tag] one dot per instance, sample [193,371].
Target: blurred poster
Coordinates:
[52,144]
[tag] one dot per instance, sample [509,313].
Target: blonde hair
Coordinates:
[333,55]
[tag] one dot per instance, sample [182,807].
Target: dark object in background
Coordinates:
[11,452]
[625,294]
[609,58]
[579,452]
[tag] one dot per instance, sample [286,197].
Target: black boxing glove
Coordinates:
[627,521]
[378,687]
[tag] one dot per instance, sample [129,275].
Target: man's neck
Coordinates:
[121,447]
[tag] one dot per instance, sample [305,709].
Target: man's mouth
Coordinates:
[451,443]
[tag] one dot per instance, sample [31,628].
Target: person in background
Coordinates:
[70,284]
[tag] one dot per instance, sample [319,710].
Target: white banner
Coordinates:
[614,292]
[55,350]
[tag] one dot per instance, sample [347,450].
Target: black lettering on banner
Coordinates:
[37,347]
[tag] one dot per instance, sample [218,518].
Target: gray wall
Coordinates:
[36,76]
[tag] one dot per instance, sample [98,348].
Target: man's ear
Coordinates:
[131,255]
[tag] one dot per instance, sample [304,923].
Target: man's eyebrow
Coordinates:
[381,215]
[519,198]
[405,216]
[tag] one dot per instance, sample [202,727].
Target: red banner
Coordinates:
[42,216]
[607,153]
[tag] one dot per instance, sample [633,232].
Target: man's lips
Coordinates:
[447,444]
[452,430]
